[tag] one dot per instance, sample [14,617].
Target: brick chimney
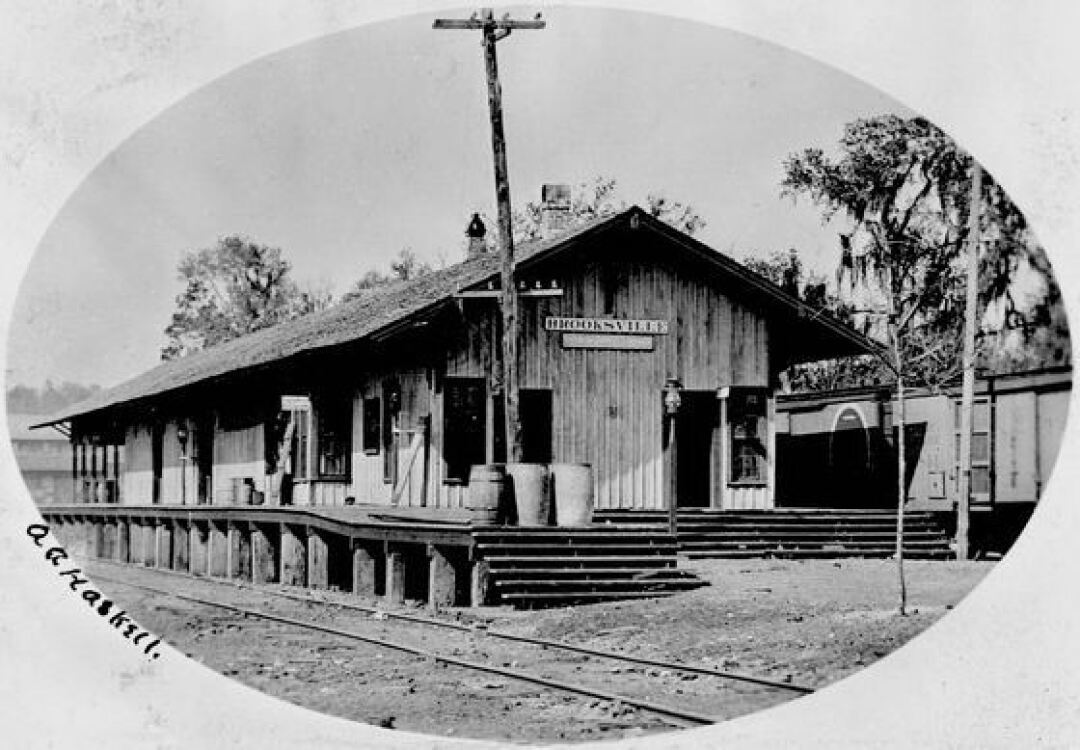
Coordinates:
[554,210]
[476,231]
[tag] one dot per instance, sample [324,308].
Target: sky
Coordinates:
[345,150]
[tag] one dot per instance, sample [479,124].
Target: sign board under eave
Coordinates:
[606,325]
[295,403]
[620,341]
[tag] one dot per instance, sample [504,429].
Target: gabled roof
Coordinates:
[381,311]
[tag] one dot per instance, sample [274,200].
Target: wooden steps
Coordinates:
[796,533]
[531,567]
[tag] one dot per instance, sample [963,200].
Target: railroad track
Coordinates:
[673,715]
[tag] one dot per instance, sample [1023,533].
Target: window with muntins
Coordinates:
[748,425]
[334,436]
[372,426]
[464,426]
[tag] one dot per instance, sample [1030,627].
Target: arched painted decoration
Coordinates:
[850,468]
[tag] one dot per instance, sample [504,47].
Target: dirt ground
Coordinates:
[808,623]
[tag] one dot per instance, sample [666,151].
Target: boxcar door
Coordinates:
[981,449]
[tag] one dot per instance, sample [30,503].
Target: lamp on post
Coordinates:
[672,403]
[182,437]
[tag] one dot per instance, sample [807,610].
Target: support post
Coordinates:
[164,554]
[263,564]
[96,543]
[318,560]
[395,576]
[479,584]
[363,561]
[967,397]
[218,550]
[293,556]
[493,31]
[238,565]
[136,556]
[181,546]
[149,543]
[123,541]
[80,539]
[442,578]
[200,542]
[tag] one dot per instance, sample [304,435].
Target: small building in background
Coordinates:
[44,459]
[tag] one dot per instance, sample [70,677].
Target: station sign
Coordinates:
[630,343]
[606,326]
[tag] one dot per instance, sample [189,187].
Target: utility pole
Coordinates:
[967,393]
[493,31]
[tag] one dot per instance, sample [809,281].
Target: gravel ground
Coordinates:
[808,623]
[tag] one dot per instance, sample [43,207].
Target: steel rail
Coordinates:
[677,716]
[645,661]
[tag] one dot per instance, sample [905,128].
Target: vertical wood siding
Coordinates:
[138,481]
[179,479]
[238,454]
[607,404]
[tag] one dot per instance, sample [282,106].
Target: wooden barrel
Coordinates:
[530,490]
[486,493]
[573,490]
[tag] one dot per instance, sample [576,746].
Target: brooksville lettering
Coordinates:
[606,325]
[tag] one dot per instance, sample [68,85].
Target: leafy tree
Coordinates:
[403,267]
[786,270]
[231,289]
[903,188]
[599,198]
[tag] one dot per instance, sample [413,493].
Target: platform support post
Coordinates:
[75,538]
[199,537]
[263,565]
[363,562]
[238,564]
[97,538]
[442,578]
[137,542]
[163,556]
[149,543]
[293,556]
[395,576]
[480,584]
[318,560]
[123,541]
[218,550]
[181,546]
[136,553]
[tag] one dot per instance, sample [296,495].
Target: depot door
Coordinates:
[695,430]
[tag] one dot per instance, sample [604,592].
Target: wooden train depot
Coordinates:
[341,449]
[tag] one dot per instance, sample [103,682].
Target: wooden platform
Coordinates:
[429,554]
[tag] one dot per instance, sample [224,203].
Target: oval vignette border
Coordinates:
[1029,593]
